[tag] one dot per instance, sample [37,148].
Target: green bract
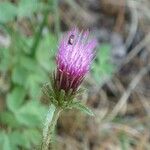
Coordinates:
[64,100]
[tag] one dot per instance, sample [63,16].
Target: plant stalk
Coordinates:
[56,18]
[49,130]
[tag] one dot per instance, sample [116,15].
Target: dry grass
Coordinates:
[122,105]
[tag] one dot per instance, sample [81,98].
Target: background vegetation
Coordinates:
[118,85]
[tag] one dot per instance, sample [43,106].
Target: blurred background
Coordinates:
[118,86]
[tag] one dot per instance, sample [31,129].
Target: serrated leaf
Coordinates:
[8,11]
[82,108]
[31,114]
[15,98]
[80,91]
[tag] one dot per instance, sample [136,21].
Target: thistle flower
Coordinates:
[75,54]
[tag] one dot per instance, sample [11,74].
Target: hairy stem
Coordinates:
[48,132]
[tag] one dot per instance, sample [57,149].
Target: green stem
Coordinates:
[38,35]
[50,125]
[56,18]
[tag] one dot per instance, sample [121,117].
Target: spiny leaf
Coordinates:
[81,107]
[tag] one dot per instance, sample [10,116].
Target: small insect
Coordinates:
[71,39]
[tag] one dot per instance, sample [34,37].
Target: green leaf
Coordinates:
[28,63]
[26,8]
[15,98]
[33,86]
[46,52]
[29,74]
[8,11]
[19,75]
[31,114]
[14,136]
[102,67]
[5,142]
[124,141]
[81,107]
[31,137]
[8,118]
[34,82]
[27,138]
[4,59]
[50,114]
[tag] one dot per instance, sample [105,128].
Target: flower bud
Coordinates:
[75,54]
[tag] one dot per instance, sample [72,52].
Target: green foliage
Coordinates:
[4,59]
[31,114]
[7,118]
[78,105]
[125,141]
[27,7]
[8,12]
[25,139]
[23,114]
[102,67]
[24,8]
[46,52]
[29,74]
[65,100]
[15,98]
[5,142]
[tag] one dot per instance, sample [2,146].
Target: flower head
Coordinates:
[75,54]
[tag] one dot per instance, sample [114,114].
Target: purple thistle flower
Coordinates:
[75,54]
